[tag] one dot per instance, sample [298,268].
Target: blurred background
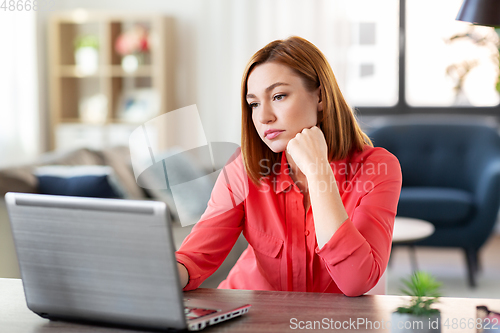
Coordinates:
[78,77]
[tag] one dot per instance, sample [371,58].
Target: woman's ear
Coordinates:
[320,100]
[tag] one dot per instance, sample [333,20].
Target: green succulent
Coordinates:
[87,41]
[424,290]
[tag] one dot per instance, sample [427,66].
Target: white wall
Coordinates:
[214,40]
[19,116]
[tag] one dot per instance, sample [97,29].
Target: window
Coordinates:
[441,71]
[364,54]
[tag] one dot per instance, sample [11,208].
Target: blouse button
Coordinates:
[307,232]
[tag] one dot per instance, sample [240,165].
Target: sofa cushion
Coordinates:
[86,181]
[441,206]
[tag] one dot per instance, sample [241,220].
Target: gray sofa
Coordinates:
[23,179]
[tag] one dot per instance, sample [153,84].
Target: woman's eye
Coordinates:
[279,97]
[253,105]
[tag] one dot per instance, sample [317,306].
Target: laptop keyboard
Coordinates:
[193,313]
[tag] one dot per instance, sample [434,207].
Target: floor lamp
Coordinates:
[482,12]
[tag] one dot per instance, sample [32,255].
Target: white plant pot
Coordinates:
[404,322]
[86,59]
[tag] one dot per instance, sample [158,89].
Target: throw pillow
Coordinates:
[86,181]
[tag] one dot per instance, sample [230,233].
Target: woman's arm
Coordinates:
[309,152]
[328,210]
[356,248]
[356,255]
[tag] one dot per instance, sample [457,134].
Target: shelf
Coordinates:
[109,71]
[69,121]
[79,122]
[117,71]
[78,97]
[74,71]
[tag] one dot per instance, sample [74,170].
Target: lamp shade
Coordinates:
[483,12]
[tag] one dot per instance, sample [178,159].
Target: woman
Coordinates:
[314,199]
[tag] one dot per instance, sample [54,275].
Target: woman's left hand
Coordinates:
[308,150]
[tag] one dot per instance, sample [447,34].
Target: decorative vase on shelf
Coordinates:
[133,46]
[131,62]
[93,109]
[461,98]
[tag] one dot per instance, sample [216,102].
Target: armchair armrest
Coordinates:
[488,181]
[19,179]
[487,199]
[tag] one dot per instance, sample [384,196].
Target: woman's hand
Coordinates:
[309,151]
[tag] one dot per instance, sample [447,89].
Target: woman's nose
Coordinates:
[266,115]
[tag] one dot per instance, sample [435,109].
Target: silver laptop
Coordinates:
[104,261]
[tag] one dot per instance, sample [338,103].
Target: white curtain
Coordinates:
[19,118]
[230,31]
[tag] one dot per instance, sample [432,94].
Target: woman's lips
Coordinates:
[273,134]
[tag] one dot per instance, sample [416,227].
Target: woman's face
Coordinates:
[280,103]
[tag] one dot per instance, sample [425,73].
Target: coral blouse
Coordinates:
[283,253]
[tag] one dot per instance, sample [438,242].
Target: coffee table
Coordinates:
[407,231]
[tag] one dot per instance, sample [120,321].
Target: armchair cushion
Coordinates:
[441,206]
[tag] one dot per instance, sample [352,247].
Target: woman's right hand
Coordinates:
[183,274]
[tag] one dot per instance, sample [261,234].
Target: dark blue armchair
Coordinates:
[451,178]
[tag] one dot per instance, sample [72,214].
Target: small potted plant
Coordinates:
[418,315]
[86,54]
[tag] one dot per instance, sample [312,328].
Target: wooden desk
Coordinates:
[270,312]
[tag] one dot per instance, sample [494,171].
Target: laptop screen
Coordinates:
[95,259]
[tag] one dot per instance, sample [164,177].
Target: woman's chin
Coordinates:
[277,147]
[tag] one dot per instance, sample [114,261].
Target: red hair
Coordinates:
[338,123]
